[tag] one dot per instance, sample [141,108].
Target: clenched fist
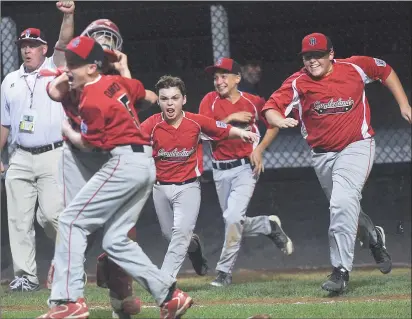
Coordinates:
[65,6]
[243,117]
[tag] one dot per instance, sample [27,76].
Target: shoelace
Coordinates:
[221,276]
[20,281]
[335,275]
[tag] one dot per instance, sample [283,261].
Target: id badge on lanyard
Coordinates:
[28,122]
[28,119]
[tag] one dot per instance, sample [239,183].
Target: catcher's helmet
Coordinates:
[106,33]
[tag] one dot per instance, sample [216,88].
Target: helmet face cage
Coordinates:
[106,33]
[106,38]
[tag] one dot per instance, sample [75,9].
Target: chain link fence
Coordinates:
[181,38]
[9,61]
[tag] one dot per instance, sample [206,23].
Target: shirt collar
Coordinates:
[161,114]
[94,81]
[22,71]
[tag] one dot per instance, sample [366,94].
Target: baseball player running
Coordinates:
[115,195]
[329,95]
[78,166]
[237,165]
[175,137]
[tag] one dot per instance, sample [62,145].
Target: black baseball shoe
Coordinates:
[199,262]
[279,237]
[338,280]
[22,284]
[379,252]
[223,279]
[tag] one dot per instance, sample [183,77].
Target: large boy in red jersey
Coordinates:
[334,113]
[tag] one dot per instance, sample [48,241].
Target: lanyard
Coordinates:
[31,90]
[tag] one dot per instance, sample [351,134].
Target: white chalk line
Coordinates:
[252,303]
[240,305]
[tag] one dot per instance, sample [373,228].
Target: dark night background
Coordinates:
[175,38]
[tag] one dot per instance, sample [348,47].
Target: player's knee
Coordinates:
[346,203]
[184,230]
[107,243]
[182,234]
[112,243]
[51,220]
[234,219]
[64,221]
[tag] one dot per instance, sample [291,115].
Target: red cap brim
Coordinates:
[302,52]
[30,39]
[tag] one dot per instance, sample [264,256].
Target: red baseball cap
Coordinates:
[31,34]
[84,50]
[224,64]
[316,42]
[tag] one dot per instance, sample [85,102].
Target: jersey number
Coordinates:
[126,103]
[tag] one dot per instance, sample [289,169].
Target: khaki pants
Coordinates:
[31,177]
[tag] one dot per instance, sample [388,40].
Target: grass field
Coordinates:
[281,295]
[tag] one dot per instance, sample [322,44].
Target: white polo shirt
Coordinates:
[41,114]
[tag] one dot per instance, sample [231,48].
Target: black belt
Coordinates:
[229,165]
[93,150]
[319,150]
[188,181]
[41,149]
[137,148]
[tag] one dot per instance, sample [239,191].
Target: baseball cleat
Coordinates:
[379,252]
[177,306]
[338,280]
[199,262]
[223,279]
[279,237]
[22,284]
[70,310]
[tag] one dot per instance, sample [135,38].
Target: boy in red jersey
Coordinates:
[175,137]
[237,166]
[115,195]
[78,166]
[334,113]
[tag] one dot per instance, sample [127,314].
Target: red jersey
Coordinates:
[333,111]
[212,105]
[108,116]
[70,105]
[175,150]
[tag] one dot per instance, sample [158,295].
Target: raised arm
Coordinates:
[66,31]
[59,87]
